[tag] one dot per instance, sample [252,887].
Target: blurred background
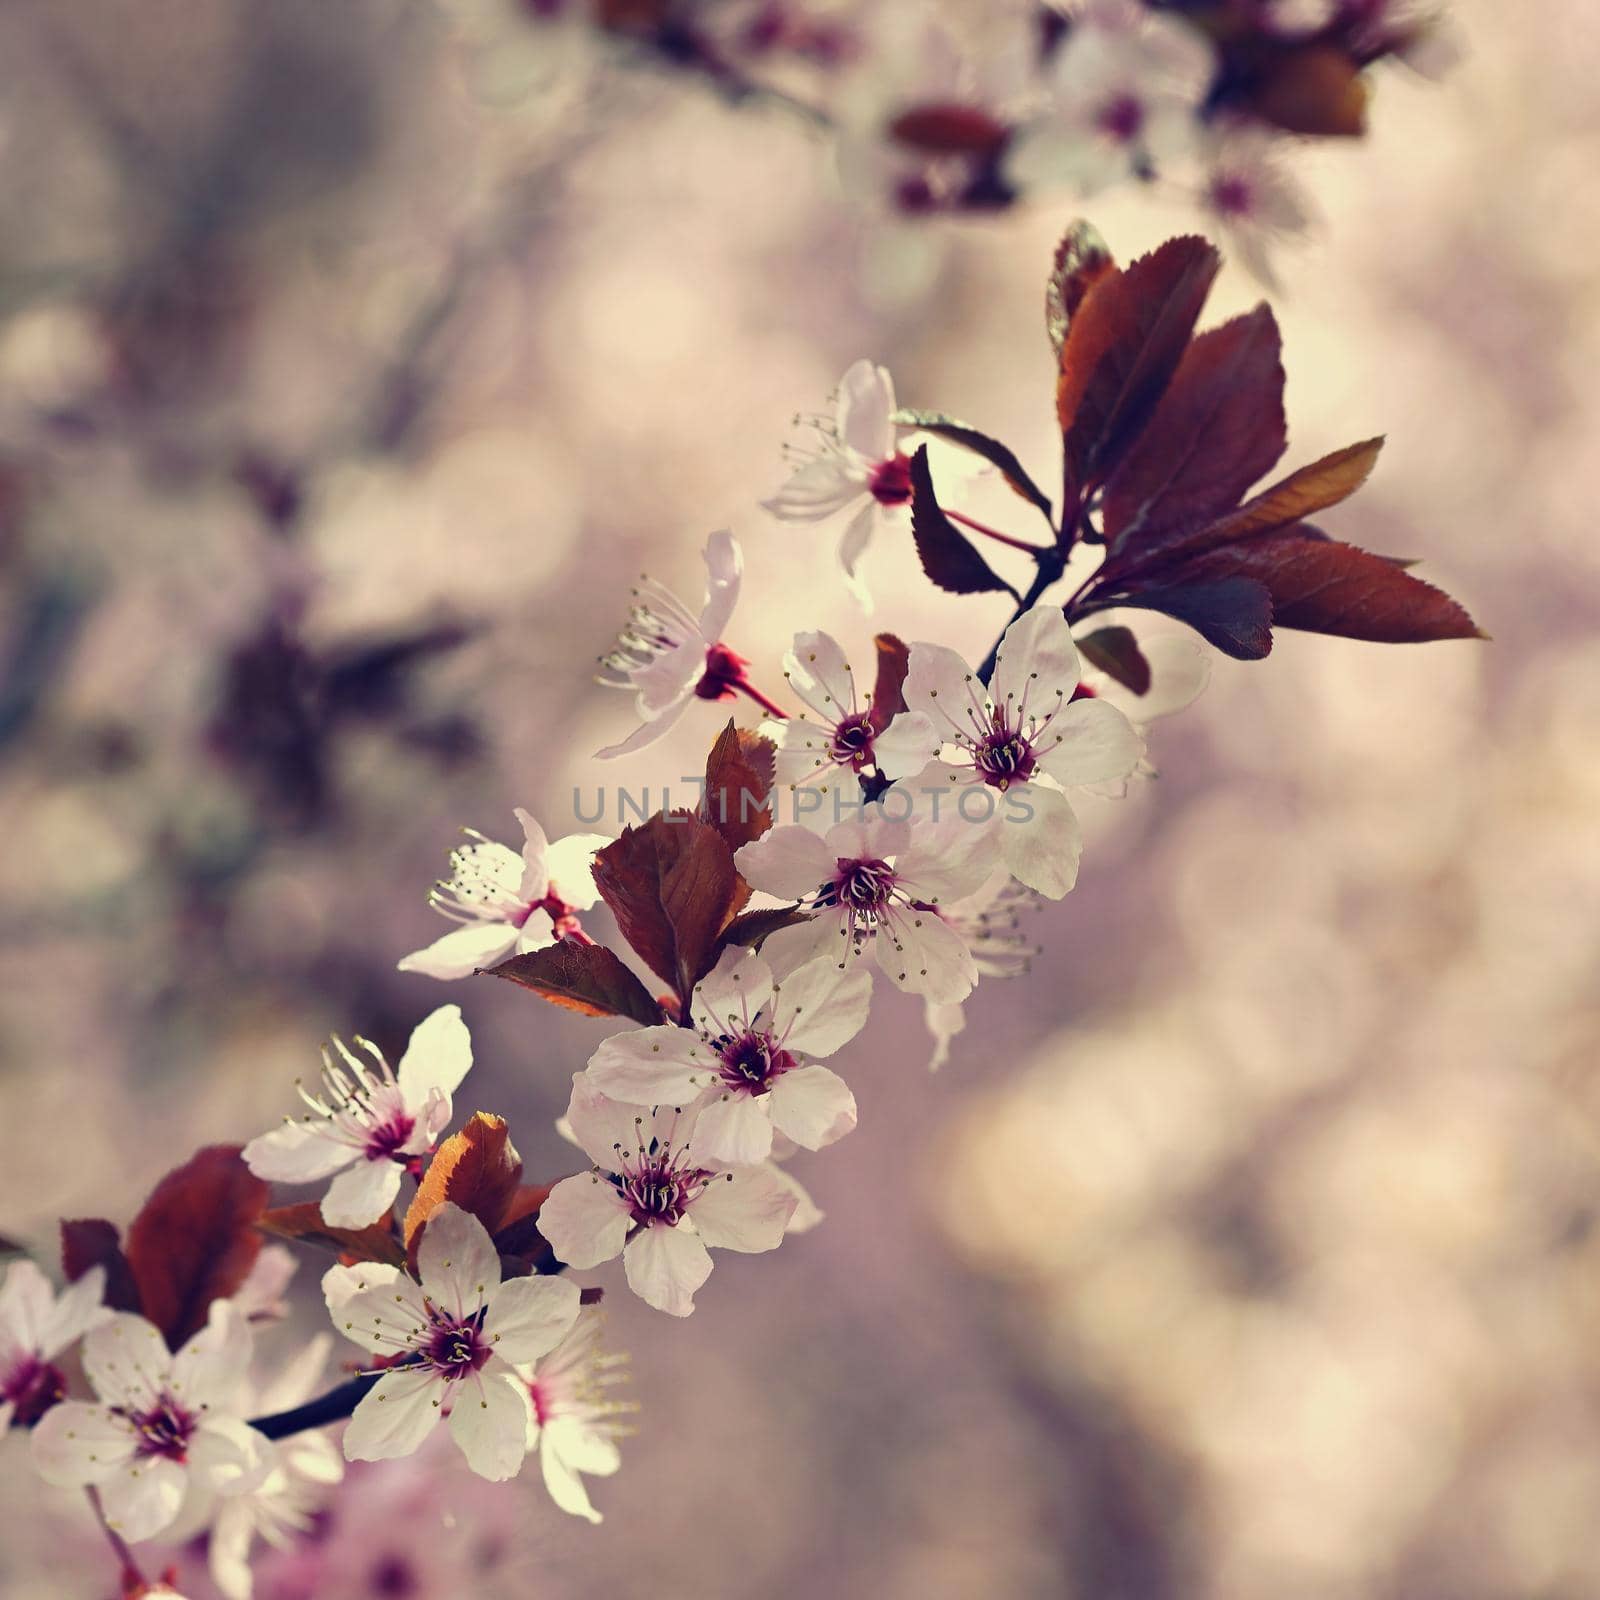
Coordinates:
[1250,1247]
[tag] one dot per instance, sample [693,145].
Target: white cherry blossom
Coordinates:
[1247,191]
[573,1422]
[508,903]
[163,1423]
[668,656]
[840,735]
[854,465]
[36,1326]
[653,1199]
[873,884]
[369,1124]
[1024,739]
[749,1058]
[454,1339]
[1180,668]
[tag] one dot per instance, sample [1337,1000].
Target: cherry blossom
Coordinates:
[1125,89]
[653,1199]
[669,657]
[1247,191]
[1024,739]
[854,466]
[451,1343]
[508,903]
[36,1325]
[748,1057]
[573,1422]
[989,922]
[843,734]
[873,884]
[164,1422]
[369,1124]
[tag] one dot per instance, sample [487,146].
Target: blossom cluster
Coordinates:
[936,107]
[859,831]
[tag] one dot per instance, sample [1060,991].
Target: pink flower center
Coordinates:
[890,482]
[1004,757]
[455,1346]
[851,744]
[659,1190]
[1122,118]
[384,1139]
[1231,196]
[723,675]
[32,1386]
[164,1430]
[862,886]
[752,1061]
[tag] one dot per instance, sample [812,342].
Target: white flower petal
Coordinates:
[462,951]
[74,1443]
[528,1317]
[732,995]
[27,1305]
[818,489]
[743,1211]
[599,1123]
[655,726]
[584,1220]
[1089,742]
[853,544]
[945,1020]
[1036,658]
[394,1417]
[806,1214]
[866,407]
[941,685]
[651,1066]
[817,671]
[665,1266]
[362,1194]
[126,1360]
[230,1457]
[724,570]
[489,1422]
[821,1006]
[563,1453]
[735,1129]
[789,861]
[387,1317]
[457,1261]
[438,1056]
[813,1106]
[210,1370]
[571,862]
[535,880]
[143,1499]
[298,1152]
[933,959]
[1041,844]
[906,746]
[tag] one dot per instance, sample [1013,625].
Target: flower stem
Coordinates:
[131,1576]
[333,1406]
[1052,563]
[745,686]
[992,533]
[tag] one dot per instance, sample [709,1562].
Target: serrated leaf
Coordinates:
[991,450]
[1121,351]
[739,776]
[195,1239]
[477,1169]
[947,555]
[303,1224]
[888,698]
[586,978]
[1219,428]
[672,886]
[752,927]
[1115,651]
[93,1242]
[1081,260]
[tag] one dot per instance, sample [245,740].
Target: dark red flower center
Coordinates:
[456,1346]
[751,1061]
[164,1430]
[890,482]
[1231,196]
[659,1190]
[384,1139]
[723,675]
[851,744]
[861,885]
[1004,757]
[1122,117]
[32,1386]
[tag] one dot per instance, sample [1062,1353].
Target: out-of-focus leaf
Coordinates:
[195,1239]
[739,775]
[303,1224]
[1218,429]
[93,1242]
[477,1169]
[582,977]
[992,451]
[1081,260]
[1234,613]
[947,555]
[949,129]
[1115,651]
[672,886]
[1121,350]
[518,1233]
[888,698]
[1313,90]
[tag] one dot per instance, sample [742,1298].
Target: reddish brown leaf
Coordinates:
[1321,586]
[1218,429]
[946,554]
[754,926]
[477,1169]
[303,1223]
[195,1239]
[888,699]
[93,1242]
[672,886]
[1313,90]
[1115,651]
[518,1233]
[582,977]
[1232,613]
[950,129]
[739,775]
[1121,351]
[1081,261]
[980,444]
